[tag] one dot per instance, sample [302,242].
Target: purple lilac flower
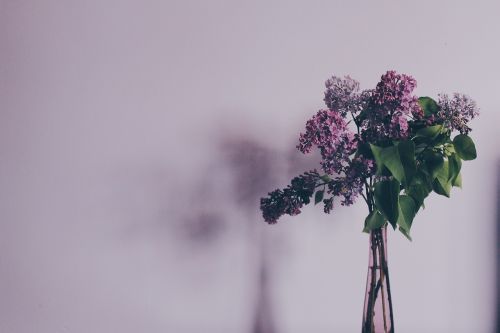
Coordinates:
[346,188]
[350,185]
[454,113]
[341,95]
[390,106]
[291,199]
[328,205]
[364,99]
[329,132]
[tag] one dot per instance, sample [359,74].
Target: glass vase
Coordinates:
[377,311]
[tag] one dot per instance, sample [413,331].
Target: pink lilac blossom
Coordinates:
[330,133]
[350,185]
[454,113]
[341,95]
[390,107]
[328,205]
[291,199]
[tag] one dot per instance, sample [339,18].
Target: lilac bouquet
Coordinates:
[389,147]
[386,145]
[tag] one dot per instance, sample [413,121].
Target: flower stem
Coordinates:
[385,269]
[377,280]
[382,279]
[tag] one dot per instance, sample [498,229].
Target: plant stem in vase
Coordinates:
[377,312]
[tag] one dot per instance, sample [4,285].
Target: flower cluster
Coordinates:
[349,185]
[341,95]
[390,106]
[328,131]
[291,199]
[454,113]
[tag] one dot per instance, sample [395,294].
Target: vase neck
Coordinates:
[378,239]
[377,313]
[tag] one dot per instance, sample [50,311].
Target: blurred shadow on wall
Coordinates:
[204,224]
[251,170]
[256,170]
[243,171]
[251,165]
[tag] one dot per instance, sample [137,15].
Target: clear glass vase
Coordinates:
[377,311]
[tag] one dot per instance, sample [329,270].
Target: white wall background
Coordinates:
[110,117]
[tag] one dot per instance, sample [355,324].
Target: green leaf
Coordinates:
[386,199]
[318,197]
[419,189]
[465,147]
[428,105]
[407,211]
[442,184]
[454,166]
[441,188]
[325,178]
[377,155]
[406,234]
[418,193]
[429,132]
[388,157]
[458,181]
[373,221]
[442,174]
[433,162]
[407,156]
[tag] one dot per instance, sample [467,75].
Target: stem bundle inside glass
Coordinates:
[377,312]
